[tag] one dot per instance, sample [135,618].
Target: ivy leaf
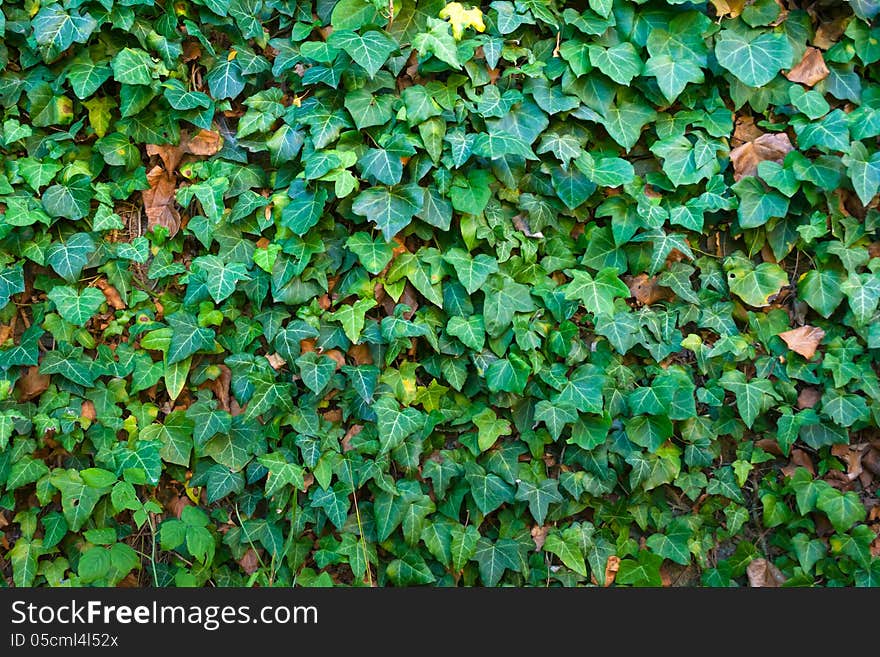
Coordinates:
[495,558]
[752,397]
[463,545]
[352,317]
[605,171]
[315,370]
[539,497]
[225,79]
[78,500]
[390,208]
[821,289]
[187,336]
[489,491]
[370,49]
[861,290]
[620,62]
[133,66]
[394,424]
[842,509]
[471,271]
[180,98]
[69,257]
[758,286]
[281,473]
[437,41]
[176,435]
[55,30]
[555,416]
[757,204]
[863,170]
[753,57]
[70,200]
[503,298]
[596,294]
[470,330]
[672,74]
[220,278]
[11,282]
[490,428]
[76,308]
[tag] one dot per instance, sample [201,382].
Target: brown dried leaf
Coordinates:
[611,569]
[852,456]
[745,130]
[5,332]
[803,340]
[32,384]
[191,50]
[871,461]
[337,356]
[808,397]
[333,415]
[220,386]
[204,142]
[353,430]
[810,70]
[539,535]
[764,574]
[250,561]
[773,146]
[114,299]
[276,361]
[522,225]
[88,411]
[360,354]
[646,290]
[159,200]
[828,32]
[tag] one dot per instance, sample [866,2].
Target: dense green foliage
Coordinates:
[357,291]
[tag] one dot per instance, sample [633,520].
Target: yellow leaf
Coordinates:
[461,19]
[193,493]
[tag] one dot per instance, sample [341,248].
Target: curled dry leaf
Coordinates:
[220,386]
[32,384]
[803,340]
[159,200]
[353,430]
[276,361]
[851,455]
[810,70]
[772,146]
[114,299]
[204,142]
[539,535]
[763,574]
[611,569]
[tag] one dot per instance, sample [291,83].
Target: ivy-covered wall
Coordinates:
[392,293]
